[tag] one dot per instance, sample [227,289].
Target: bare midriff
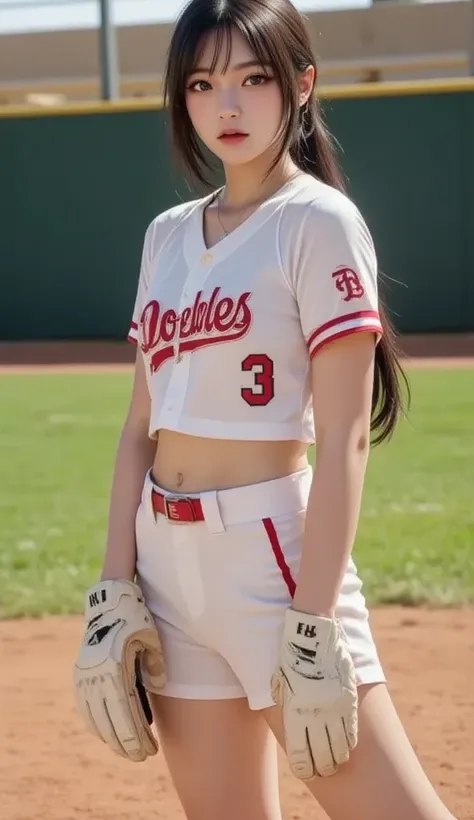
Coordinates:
[191,464]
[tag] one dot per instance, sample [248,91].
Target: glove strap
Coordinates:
[313,633]
[105,595]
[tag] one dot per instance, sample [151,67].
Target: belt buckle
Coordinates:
[172,514]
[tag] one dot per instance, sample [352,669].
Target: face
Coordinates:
[236,111]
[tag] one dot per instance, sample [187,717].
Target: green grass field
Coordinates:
[58,435]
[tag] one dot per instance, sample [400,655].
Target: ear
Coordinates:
[306,82]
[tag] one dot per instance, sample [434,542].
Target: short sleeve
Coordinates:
[143,283]
[332,270]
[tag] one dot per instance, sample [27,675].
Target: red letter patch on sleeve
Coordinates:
[348,283]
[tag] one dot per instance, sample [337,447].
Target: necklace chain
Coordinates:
[218,210]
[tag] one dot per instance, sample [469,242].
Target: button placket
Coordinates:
[183,303]
[177,388]
[194,282]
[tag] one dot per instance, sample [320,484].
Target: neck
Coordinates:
[248,184]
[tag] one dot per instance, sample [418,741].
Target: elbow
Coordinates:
[344,445]
[362,443]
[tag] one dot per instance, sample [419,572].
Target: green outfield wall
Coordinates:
[79,184]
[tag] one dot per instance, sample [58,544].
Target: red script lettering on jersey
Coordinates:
[217,320]
[348,283]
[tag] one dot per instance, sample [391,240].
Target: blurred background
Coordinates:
[86,162]
[85,156]
[49,49]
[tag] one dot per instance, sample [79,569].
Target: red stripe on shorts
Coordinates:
[279,557]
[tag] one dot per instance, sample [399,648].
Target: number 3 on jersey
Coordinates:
[263,388]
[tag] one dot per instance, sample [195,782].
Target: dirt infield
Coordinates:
[90,356]
[51,769]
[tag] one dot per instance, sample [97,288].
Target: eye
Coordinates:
[199,85]
[257,79]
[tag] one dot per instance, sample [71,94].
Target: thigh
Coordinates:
[263,561]
[383,778]
[222,758]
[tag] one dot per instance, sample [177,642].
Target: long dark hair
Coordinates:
[276,33]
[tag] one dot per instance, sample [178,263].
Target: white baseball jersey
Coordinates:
[228,333]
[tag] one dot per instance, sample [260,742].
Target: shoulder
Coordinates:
[322,230]
[165,223]
[172,216]
[319,208]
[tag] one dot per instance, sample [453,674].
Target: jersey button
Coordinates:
[206,259]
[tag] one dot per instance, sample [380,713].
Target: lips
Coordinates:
[232,133]
[233,137]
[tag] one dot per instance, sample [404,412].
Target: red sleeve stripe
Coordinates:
[359,317]
[133,333]
[377,329]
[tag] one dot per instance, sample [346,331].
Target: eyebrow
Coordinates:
[236,67]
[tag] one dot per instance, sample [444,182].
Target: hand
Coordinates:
[315,686]
[120,639]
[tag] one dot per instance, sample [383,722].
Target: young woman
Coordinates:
[259,332]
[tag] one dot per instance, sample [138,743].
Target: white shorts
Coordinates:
[219,589]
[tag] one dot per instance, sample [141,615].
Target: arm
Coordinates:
[342,378]
[315,683]
[120,635]
[134,457]
[330,264]
[332,269]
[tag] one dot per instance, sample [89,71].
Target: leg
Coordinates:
[222,758]
[383,778]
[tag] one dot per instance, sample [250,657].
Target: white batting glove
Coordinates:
[315,686]
[120,635]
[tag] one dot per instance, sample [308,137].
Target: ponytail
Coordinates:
[275,32]
[314,152]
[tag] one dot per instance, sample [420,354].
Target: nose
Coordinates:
[229,108]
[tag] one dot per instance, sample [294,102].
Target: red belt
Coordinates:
[180,509]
